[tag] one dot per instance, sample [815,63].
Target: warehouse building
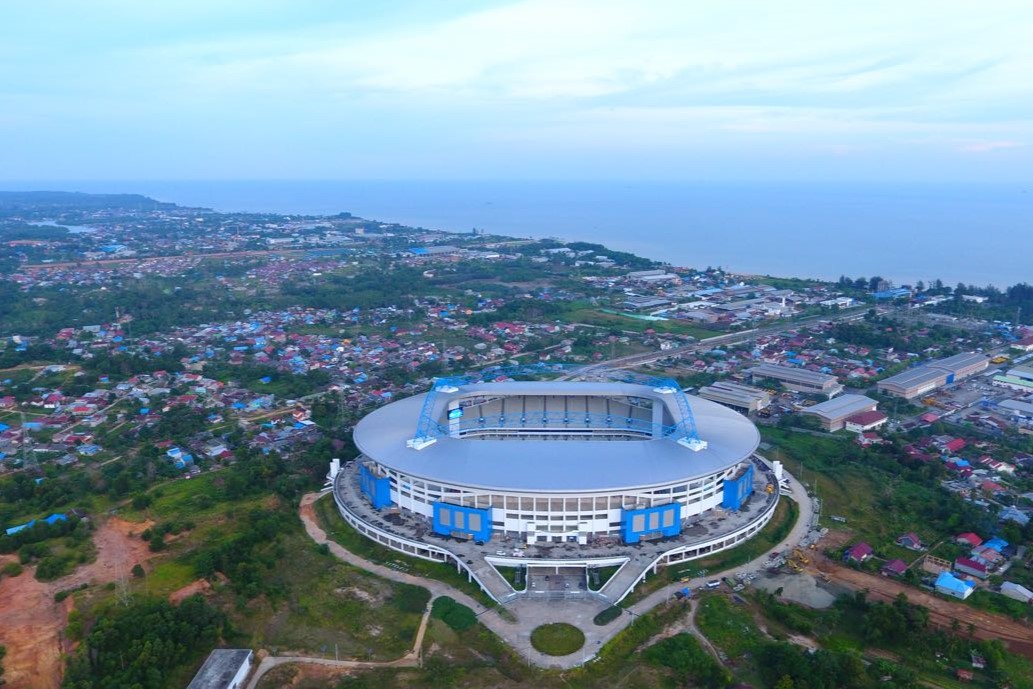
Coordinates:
[1018,409]
[961,366]
[1019,378]
[799,379]
[913,382]
[924,379]
[742,397]
[835,412]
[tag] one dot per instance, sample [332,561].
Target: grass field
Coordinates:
[341,532]
[878,506]
[729,627]
[330,607]
[621,322]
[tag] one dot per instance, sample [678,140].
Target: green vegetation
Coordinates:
[341,532]
[598,576]
[620,322]
[557,639]
[608,615]
[456,615]
[11,569]
[857,643]
[149,644]
[689,662]
[880,494]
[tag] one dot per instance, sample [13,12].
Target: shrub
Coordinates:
[408,598]
[157,543]
[12,569]
[608,615]
[142,501]
[454,614]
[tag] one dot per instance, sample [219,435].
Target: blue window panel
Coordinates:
[376,488]
[664,520]
[455,520]
[737,490]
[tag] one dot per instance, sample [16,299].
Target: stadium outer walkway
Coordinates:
[530,613]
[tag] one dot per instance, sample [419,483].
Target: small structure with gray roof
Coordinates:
[225,668]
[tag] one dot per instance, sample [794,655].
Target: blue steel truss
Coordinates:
[428,429]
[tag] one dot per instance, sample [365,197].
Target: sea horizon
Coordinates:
[904,232]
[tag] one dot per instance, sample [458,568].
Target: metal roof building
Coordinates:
[799,379]
[835,412]
[744,397]
[934,374]
[962,365]
[913,382]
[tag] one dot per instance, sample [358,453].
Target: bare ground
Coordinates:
[199,586]
[1017,636]
[32,623]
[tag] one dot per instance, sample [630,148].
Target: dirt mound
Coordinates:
[200,586]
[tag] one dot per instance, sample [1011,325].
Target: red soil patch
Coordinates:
[199,586]
[32,623]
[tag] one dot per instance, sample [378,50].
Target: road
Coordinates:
[711,342]
[532,613]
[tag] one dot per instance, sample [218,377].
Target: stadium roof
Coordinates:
[569,465]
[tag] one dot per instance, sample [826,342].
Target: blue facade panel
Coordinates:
[737,490]
[664,520]
[455,520]
[376,488]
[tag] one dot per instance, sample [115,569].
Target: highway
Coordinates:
[711,342]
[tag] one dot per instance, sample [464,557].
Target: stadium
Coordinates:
[577,469]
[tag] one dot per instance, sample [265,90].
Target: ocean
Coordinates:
[977,234]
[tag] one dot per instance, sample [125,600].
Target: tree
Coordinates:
[137,571]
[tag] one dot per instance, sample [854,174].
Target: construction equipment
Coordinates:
[824,577]
[794,566]
[769,489]
[801,556]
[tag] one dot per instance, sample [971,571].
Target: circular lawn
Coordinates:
[557,639]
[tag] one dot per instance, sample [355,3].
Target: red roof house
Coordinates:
[894,568]
[858,553]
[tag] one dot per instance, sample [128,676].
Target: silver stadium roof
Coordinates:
[551,466]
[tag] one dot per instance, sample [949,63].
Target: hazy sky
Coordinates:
[534,89]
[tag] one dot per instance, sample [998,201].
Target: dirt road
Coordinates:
[32,623]
[1018,637]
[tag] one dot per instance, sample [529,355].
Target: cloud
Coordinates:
[989,146]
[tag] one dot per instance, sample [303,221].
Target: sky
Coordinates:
[531,89]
